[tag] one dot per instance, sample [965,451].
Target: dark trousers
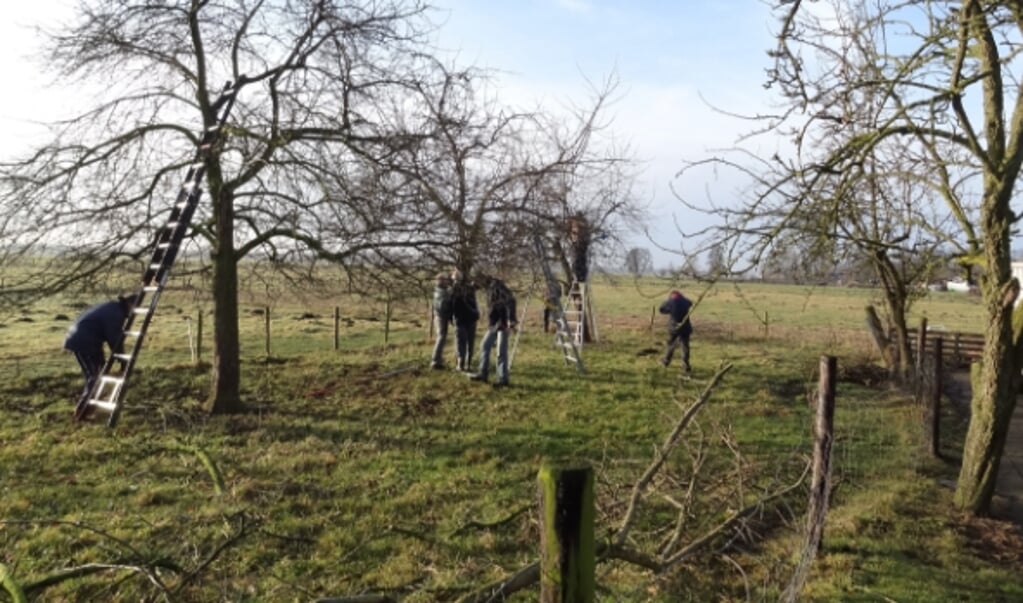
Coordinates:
[677,340]
[91,363]
[465,340]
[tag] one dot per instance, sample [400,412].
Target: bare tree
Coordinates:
[310,78]
[638,261]
[939,80]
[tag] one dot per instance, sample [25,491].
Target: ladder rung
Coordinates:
[155,266]
[125,357]
[110,379]
[150,288]
[141,310]
[172,224]
[132,333]
[104,405]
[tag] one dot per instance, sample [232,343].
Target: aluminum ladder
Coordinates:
[107,393]
[564,338]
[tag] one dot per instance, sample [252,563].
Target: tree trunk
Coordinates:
[224,391]
[880,337]
[994,385]
[991,409]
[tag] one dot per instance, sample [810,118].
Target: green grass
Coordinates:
[360,471]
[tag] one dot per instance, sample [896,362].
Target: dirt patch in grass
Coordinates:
[994,540]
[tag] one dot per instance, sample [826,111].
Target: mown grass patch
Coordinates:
[363,471]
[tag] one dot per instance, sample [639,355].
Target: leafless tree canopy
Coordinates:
[902,139]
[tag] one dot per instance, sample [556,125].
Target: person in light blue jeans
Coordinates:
[501,321]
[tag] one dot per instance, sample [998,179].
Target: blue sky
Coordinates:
[673,60]
[676,62]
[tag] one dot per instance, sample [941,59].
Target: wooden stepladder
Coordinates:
[108,392]
[564,337]
[579,313]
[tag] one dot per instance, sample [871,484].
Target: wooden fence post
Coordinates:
[198,337]
[266,328]
[824,437]
[567,547]
[387,319]
[820,484]
[337,328]
[921,345]
[191,340]
[653,313]
[935,405]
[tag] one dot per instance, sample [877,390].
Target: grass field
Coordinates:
[360,471]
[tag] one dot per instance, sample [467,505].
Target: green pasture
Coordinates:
[359,471]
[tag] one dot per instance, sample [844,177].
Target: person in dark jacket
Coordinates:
[441,318]
[466,313]
[102,323]
[501,319]
[551,304]
[677,307]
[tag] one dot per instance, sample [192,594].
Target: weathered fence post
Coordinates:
[921,346]
[653,313]
[920,363]
[266,328]
[567,549]
[191,340]
[824,437]
[198,337]
[337,328]
[935,405]
[820,485]
[387,318]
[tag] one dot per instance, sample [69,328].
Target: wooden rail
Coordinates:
[958,348]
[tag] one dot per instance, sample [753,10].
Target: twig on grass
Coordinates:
[11,585]
[240,533]
[207,462]
[670,442]
[483,525]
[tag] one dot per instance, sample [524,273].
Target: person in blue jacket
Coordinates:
[677,307]
[102,323]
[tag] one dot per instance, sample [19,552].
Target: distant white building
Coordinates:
[1017,271]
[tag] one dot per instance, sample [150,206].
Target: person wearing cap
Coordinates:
[678,308]
[441,318]
[501,319]
[465,313]
[102,323]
